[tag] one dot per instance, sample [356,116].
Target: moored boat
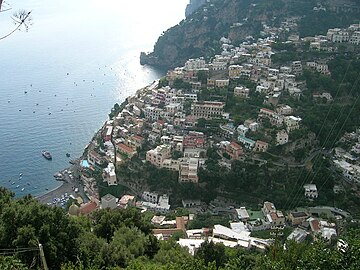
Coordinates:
[46,154]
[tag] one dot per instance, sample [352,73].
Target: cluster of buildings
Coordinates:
[314,222]
[347,160]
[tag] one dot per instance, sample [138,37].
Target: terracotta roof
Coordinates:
[315,225]
[267,110]
[88,208]
[125,148]
[137,137]
[261,142]
[236,145]
[273,216]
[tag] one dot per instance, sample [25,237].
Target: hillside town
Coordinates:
[166,125]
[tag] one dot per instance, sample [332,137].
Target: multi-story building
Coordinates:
[261,146]
[152,113]
[284,110]
[248,143]
[311,191]
[110,175]
[198,63]
[234,71]
[355,38]
[158,155]
[340,36]
[222,83]
[241,91]
[233,149]
[194,140]
[150,197]
[189,170]
[242,130]
[296,67]
[95,159]
[282,137]
[273,216]
[292,123]
[108,133]
[171,164]
[207,109]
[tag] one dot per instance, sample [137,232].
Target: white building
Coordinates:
[195,64]
[311,191]
[207,109]
[110,175]
[242,214]
[355,38]
[150,197]
[241,91]
[292,123]
[222,83]
[158,155]
[242,130]
[282,137]
[152,113]
[189,170]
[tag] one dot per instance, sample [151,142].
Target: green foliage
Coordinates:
[208,221]
[121,239]
[117,108]
[163,82]
[11,263]
[108,221]
[25,222]
[210,252]
[202,76]
[180,84]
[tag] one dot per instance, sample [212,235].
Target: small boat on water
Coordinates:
[13,183]
[20,174]
[46,154]
[22,189]
[67,154]
[17,186]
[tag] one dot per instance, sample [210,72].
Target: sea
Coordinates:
[60,79]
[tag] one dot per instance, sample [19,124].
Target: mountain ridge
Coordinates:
[198,34]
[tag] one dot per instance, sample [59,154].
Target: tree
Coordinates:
[210,252]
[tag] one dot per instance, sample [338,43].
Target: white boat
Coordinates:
[22,189]
[17,186]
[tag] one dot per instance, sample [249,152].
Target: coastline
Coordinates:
[67,186]
[70,186]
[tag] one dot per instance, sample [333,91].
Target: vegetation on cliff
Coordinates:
[198,35]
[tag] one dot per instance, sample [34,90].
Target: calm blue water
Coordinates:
[98,43]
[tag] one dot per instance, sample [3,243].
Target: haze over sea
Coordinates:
[98,43]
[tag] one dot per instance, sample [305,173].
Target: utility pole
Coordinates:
[42,256]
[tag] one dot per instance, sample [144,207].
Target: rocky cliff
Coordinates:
[193,6]
[199,34]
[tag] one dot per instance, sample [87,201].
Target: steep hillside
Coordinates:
[193,6]
[198,34]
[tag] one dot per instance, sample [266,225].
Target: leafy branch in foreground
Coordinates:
[21,19]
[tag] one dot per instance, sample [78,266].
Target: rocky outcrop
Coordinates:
[193,6]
